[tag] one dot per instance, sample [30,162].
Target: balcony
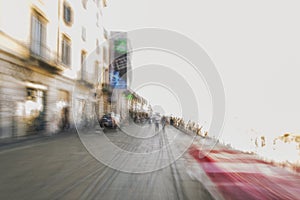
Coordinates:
[41,56]
[87,79]
[106,88]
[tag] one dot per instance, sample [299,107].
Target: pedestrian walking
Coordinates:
[157,121]
[163,123]
[171,121]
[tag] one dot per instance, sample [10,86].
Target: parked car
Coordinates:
[107,121]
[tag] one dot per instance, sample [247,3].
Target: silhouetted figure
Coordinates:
[65,118]
[157,120]
[163,123]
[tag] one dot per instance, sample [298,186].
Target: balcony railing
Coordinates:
[89,79]
[106,88]
[41,51]
[44,55]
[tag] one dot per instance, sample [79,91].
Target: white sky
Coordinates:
[255,46]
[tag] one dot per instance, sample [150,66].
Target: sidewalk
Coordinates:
[39,136]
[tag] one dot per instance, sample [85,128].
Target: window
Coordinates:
[68,14]
[83,61]
[102,75]
[83,65]
[96,75]
[83,33]
[104,3]
[97,20]
[84,2]
[106,76]
[38,34]
[66,51]
[97,47]
[105,60]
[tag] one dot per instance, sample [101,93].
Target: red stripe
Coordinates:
[239,185]
[236,157]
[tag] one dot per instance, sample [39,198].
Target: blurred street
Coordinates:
[59,167]
[107,100]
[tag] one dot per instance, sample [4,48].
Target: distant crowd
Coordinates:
[188,126]
[177,122]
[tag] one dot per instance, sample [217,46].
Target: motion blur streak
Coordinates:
[238,175]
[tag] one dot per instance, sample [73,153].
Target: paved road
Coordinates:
[60,167]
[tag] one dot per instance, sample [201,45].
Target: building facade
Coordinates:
[52,64]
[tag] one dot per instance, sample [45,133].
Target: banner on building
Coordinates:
[118,71]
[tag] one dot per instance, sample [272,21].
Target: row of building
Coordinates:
[55,60]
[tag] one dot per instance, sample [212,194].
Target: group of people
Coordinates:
[157,119]
[189,126]
[139,117]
